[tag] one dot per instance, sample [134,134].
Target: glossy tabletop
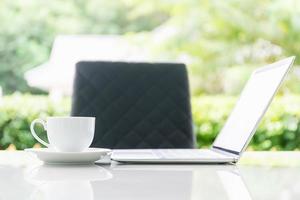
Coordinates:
[22,176]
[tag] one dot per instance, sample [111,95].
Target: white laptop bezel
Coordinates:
[271,66]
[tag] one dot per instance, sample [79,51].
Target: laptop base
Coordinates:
[171,156]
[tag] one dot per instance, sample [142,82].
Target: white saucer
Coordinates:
[51,156]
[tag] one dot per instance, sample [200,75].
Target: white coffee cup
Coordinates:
[67,134]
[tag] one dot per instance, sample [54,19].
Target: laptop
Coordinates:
[238,130]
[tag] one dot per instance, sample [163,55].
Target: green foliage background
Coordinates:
[279,130]
[221,41]
[18,111]
[28,29]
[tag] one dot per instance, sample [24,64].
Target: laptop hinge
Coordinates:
[227,150]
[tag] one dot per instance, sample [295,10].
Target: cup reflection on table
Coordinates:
[65,181]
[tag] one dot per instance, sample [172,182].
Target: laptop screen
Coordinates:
[251,106]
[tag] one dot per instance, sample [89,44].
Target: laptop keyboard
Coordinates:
[168,154]
[186,154]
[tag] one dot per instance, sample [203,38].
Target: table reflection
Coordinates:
[173,182]
[233,185]
[271,183]
[12,183]
[31,180]
[65,181]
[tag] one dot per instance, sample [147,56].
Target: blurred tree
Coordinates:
[214,36]
[217,39]
[28,28]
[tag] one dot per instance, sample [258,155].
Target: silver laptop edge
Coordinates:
[236,154]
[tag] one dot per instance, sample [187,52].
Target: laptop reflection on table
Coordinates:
[173,182]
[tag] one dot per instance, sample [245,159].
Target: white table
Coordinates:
[24,177]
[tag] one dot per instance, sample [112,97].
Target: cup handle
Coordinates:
[35,135]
